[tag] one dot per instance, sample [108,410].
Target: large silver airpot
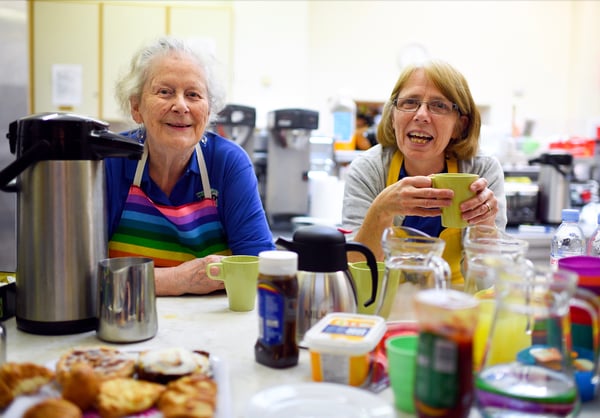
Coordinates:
[61,217]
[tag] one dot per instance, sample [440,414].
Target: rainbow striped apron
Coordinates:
[170,235]
[452,236]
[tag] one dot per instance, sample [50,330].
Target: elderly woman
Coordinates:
[193,196]
[429,125]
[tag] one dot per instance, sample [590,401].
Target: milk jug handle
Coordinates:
[442,272]
[372,263]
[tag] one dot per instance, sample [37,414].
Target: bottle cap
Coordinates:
[570,215]
[278,263]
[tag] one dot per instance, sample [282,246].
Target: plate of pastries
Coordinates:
[105,382]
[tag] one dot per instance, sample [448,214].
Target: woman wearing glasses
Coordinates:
[429,125]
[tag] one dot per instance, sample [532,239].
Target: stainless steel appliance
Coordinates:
[61,217]
[288,163]
[522,194]
[324,283]
[236,122]
[556,172]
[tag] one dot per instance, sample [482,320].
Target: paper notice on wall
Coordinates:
[67,84]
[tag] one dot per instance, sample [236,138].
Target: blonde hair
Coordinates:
[452,84]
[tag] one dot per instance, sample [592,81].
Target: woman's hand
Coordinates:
[408,196]
[483,207]
[413,196]
[188,277]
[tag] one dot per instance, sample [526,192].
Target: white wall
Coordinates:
[301,53]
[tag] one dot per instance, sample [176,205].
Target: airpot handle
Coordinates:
[32,155]
[372,263]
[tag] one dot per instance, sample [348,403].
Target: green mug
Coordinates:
[240,275]
[361,273]
[459,183]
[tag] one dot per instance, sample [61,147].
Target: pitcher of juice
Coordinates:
[483,246]
[527,369]
[413,262]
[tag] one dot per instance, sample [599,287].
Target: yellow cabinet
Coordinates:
[64,57]
[80,48]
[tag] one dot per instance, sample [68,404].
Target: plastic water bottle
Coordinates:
[568,239]
[593,247]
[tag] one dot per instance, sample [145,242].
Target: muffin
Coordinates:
[167,364]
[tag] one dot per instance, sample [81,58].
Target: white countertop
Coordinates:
[197,322]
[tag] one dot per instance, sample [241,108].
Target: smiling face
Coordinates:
[174,104]
[423,136]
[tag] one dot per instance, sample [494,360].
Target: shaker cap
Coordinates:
[278,263]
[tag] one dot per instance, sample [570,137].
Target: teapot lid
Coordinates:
[320,249]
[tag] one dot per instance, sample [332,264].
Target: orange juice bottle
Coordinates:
[344,123]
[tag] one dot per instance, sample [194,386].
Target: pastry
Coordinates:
[21,379]
[81,385]
[123,396]
[193,396]
[106,362]
[53,408]
[167,364]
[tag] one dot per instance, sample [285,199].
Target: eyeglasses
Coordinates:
[437,107]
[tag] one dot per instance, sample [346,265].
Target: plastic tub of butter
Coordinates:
[339,346]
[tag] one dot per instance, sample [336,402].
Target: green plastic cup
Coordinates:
[402,357]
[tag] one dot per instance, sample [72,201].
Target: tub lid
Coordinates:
[346,333]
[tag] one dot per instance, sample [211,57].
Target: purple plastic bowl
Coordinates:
[587,268]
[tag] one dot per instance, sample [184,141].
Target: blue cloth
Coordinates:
[431,225]
[233,184]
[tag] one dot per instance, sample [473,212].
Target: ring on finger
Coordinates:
[488,206]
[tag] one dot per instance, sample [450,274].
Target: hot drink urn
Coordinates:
[556,172]
[288,163]
[61,217]
[236,122]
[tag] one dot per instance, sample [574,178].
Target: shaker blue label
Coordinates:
[271,314]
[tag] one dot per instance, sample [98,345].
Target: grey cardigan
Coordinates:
[367,175]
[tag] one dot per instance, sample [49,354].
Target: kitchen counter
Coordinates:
[539,238]
[198,322]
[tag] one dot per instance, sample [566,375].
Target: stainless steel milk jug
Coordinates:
[61,217]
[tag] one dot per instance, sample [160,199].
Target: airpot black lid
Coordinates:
[70,137]
[553,159]
[321,249]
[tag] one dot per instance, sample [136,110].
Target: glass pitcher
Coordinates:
[527,369]
[413,262]
[483,247]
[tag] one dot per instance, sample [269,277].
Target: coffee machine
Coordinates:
[288,163]
[237,122]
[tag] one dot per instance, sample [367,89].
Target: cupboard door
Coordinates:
[125,28]
[64,57]
[207,24]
